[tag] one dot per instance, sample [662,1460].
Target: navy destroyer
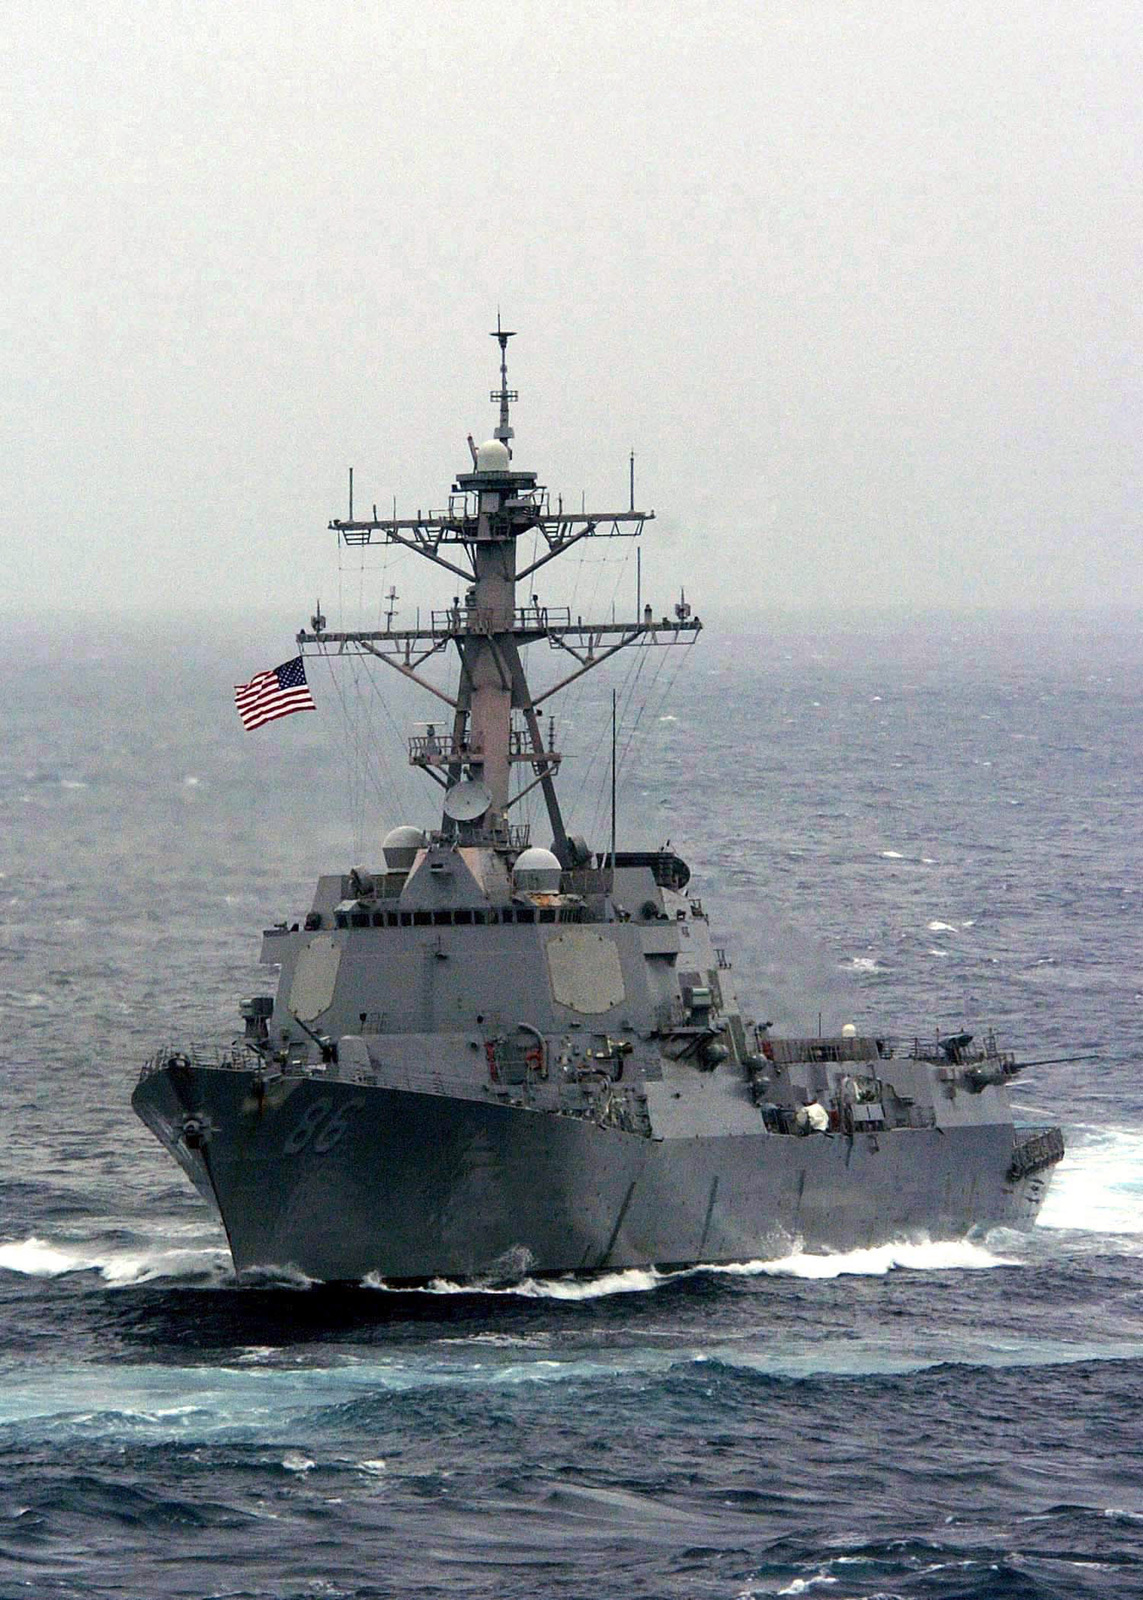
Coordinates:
[486,1057]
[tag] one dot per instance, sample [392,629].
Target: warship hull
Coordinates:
[485,1057]
[341,1181]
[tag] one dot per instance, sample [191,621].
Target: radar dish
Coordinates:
[466,801]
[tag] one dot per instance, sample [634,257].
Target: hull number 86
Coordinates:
[320,1126]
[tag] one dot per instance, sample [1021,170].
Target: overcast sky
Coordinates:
[859,282]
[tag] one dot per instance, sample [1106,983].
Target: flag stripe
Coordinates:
[273,694]
[255,719]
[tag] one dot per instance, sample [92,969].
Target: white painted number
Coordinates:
[333,1130]
[320,1126]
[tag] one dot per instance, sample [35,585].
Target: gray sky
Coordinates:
[859,283]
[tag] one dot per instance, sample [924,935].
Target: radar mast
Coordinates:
[495,722]
[503,430]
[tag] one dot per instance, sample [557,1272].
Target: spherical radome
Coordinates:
[492,456]
[538,870]
[400,847]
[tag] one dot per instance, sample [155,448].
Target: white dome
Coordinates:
[400,847]
[537,870]
[492,456]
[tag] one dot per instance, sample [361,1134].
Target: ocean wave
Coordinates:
[953,1255]
[193,1403]
[632,1280]
[301,1403]
[271,1277]
[874,1261]
[25,1000]
[201,1265]
[37,1258]
[1098,1186]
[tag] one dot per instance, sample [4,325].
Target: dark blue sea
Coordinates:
[931,823]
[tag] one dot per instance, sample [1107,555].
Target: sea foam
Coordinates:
[953,1255]
[37,1258]
[1098,1186]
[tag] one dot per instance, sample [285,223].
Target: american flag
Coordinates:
[273,694]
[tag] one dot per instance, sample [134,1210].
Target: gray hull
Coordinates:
[339,1181]
[482,1054]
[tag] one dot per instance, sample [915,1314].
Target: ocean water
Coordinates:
[922,823]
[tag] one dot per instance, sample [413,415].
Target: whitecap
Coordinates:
[874,1261]
[72,783]
[278,1277]
[942,927]
[501,1341]
[935,952]
[295,1461]
[863,964]
[892,855]
[36,1258]
[1098,1186]
[191,782]
[633,1280]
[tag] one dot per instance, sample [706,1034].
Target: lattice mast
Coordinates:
[495,719]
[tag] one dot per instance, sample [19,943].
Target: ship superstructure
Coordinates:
[488,1056]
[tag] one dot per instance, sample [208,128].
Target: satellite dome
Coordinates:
[537,870]
[492,456]
[400,847]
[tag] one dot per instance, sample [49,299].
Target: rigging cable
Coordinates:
[684,656]
[578,689]
[625,697]
[626,693]
[628,703]
[601,562]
